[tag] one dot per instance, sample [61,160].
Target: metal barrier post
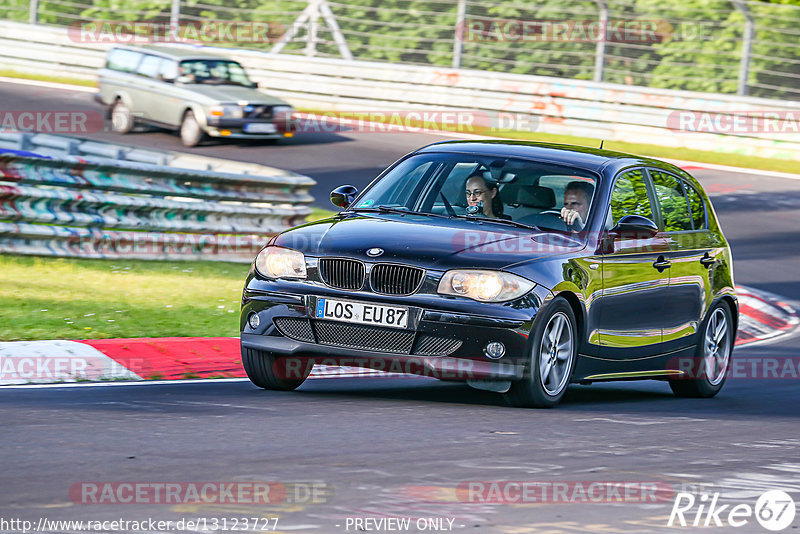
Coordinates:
[175,20]
[600,51]
[747,46]
[461,30]
[34,12]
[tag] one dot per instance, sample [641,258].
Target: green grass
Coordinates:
[319,213]
[49,298]
[9,73]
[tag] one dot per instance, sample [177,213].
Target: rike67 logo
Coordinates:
[774,510]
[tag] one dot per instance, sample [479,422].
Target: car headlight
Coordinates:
[227,112]
[484,286]
[277,262]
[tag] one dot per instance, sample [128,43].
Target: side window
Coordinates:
[630,197]
[672,201]
[123,60]
[168,70]
[149,66]
[697,206]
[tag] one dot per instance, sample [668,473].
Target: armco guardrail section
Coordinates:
[559,106]
[85,206]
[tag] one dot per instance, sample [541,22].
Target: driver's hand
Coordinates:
[572,217]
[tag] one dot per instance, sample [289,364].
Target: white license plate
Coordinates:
[265,127]
[358,312]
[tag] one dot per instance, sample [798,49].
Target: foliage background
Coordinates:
[699,47]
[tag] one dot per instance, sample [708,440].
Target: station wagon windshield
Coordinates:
[487,188]
[214,72]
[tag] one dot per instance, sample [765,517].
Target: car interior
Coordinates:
[528,196]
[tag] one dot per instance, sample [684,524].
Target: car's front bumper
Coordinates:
[235,128]
[441,342]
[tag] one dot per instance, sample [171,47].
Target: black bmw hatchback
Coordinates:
[516,267]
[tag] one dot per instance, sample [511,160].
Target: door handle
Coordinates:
[662,264]
[707,261]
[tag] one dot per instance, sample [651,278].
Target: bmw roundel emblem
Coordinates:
[374,252]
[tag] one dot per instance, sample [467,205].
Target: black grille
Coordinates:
[392,279]
[364,337]
[428,345]
[295,328]
[341,273]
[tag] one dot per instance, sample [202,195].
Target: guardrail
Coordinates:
[89,206]
[559,106]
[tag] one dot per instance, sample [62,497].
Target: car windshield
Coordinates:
[214,72]
[488,188]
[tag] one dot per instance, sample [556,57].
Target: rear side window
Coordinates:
[696,206]
[630,197]
[123,60]
[149,66]
[672,201]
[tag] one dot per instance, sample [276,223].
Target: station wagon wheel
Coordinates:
[712,357]
[553,351]
[191,133]
[121,118]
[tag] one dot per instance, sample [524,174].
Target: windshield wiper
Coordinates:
[500,221]
[403,211]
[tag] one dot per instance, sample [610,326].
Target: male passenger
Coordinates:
[577,198]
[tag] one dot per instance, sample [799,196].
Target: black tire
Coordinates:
[122,121]
[698,383]
[190,132]
[532,391]
[261,366]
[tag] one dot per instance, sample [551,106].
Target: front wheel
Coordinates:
[191,133]
[121,118]
[267,371]
[712,358]
[554,349]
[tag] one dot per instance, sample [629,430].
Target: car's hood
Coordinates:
[233,94]
[425,241]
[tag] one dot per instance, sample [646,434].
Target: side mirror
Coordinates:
[635,227]
[184,79]
[343,196]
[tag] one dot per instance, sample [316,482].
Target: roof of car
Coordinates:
[176,52]
[580,156]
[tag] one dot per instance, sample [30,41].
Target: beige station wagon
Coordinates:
[194,92]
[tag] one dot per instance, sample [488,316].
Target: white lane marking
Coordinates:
[664,421]
[50,85]
[125,383]
[728,168]
[24,362]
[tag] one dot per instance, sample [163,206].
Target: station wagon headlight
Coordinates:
[227,112]
[277,262]
[484,286]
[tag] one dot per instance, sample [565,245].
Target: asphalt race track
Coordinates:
[379,448]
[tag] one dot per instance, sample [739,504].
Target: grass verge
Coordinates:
[9,73]
[53,298]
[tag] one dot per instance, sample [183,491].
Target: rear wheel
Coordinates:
[268,371]
[712,358]
[191,133]
[554,349]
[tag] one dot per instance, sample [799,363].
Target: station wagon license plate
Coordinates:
[362,313]
[263,127]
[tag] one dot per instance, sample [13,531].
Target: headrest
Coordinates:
[534,196]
